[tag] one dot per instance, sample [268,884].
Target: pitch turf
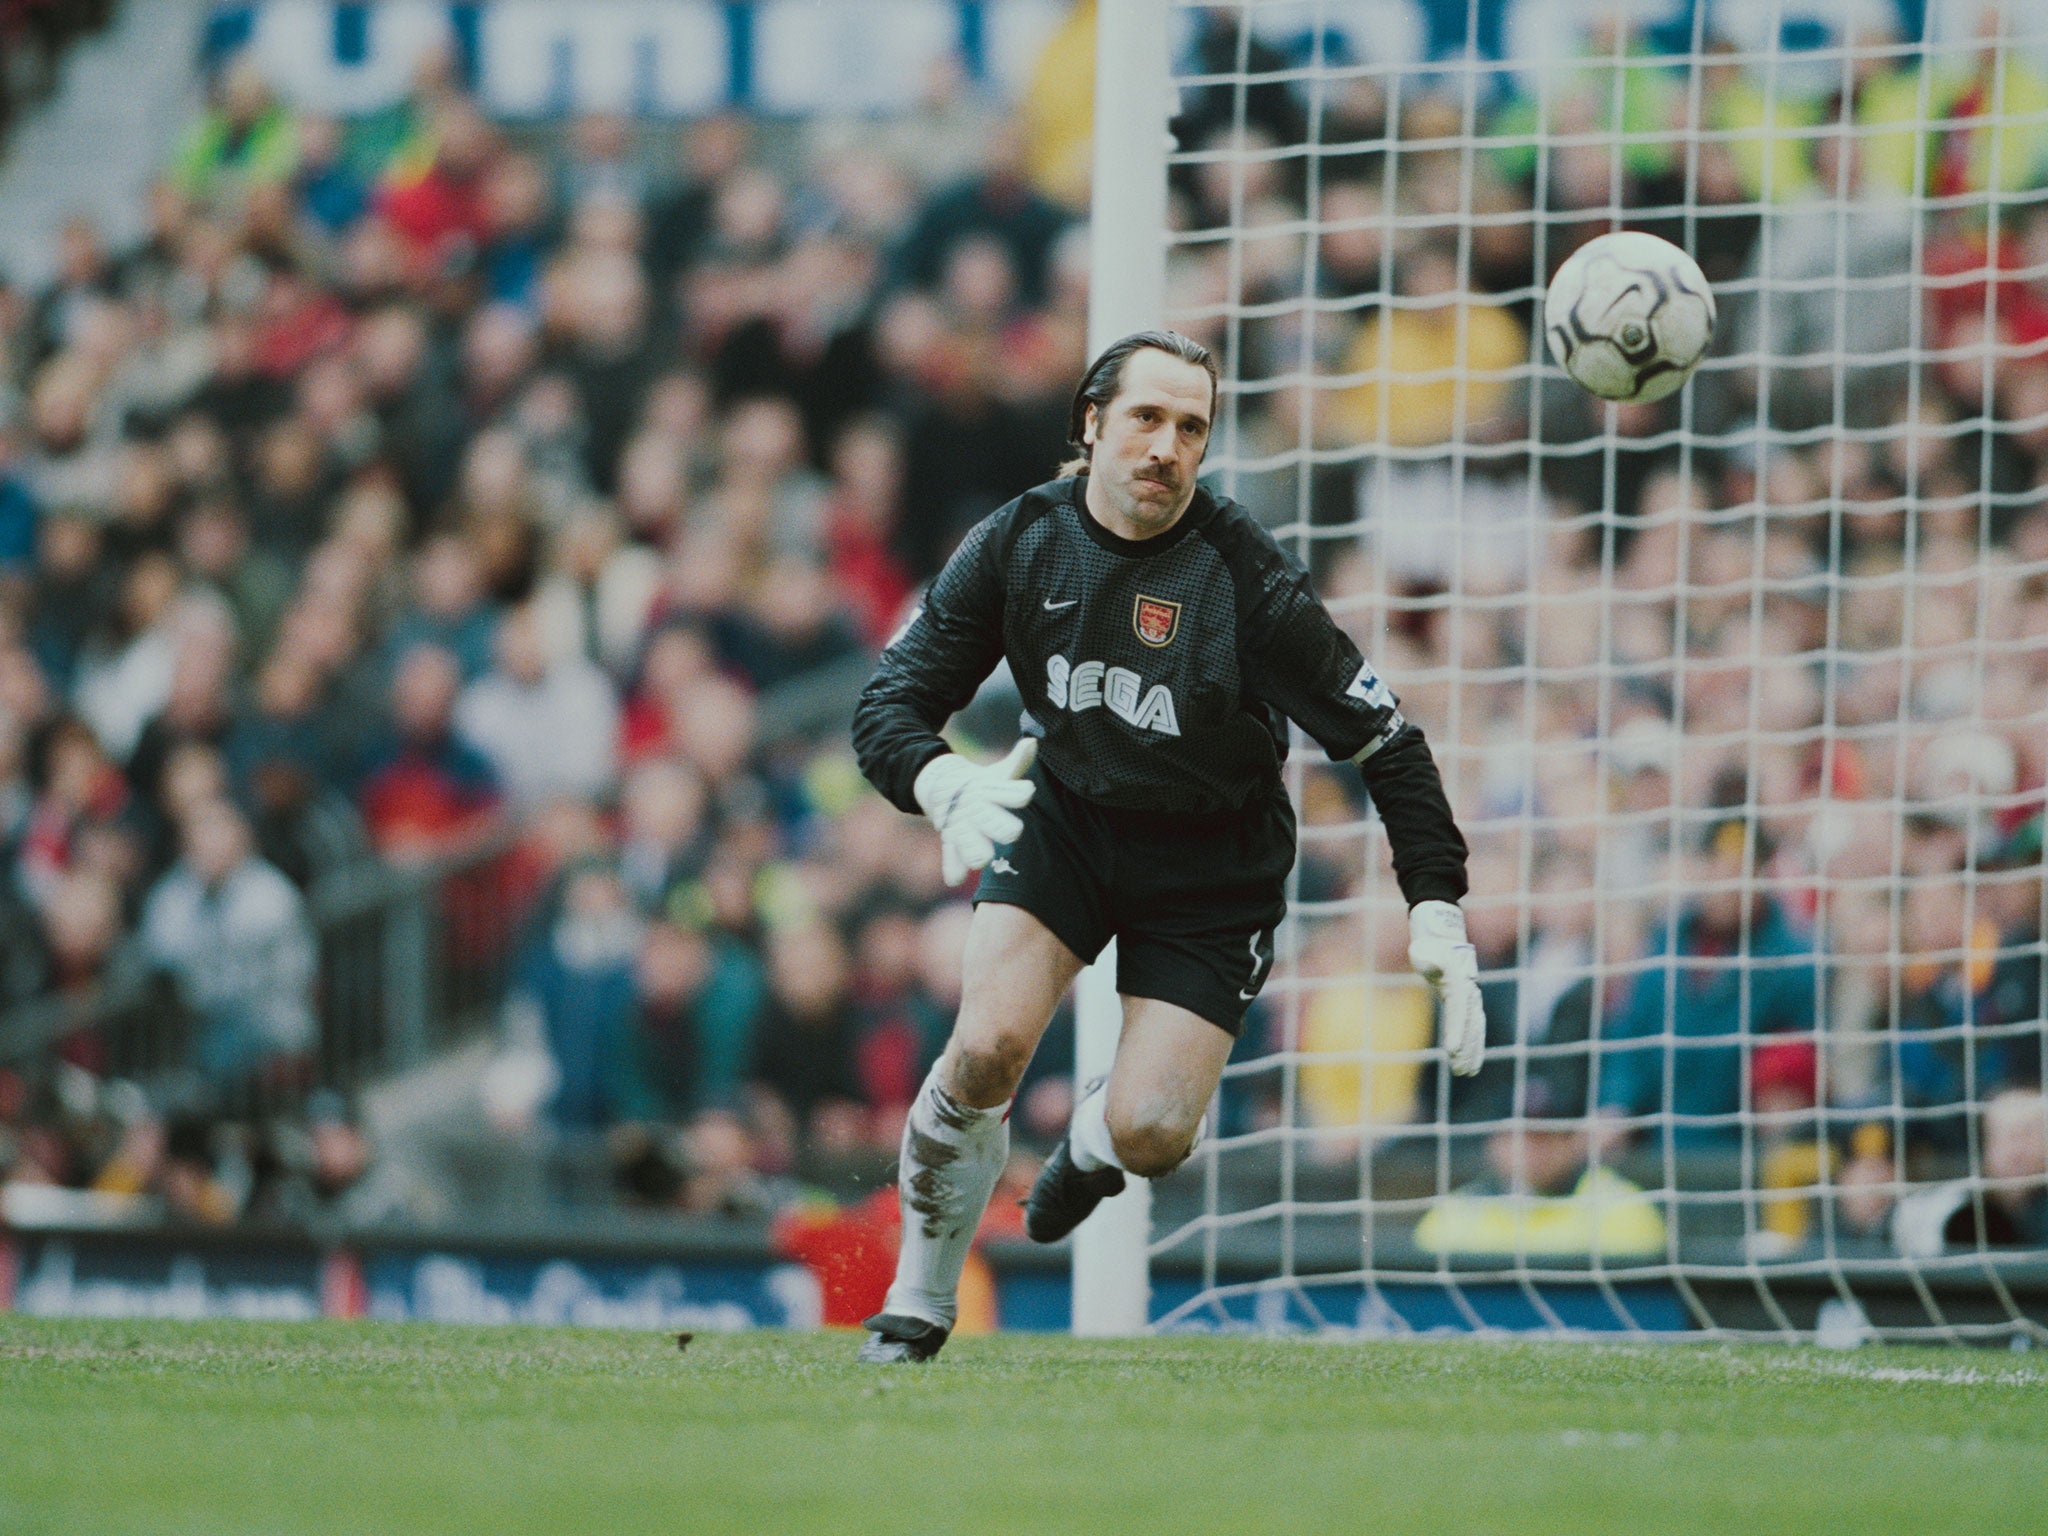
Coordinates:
[109,1428]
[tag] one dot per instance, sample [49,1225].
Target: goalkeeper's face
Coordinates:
[1147,443]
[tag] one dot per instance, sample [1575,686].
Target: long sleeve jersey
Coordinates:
[1158,673]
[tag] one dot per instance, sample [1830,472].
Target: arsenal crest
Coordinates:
[1155,619]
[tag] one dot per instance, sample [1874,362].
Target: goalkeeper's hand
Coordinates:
[1444,957]
[971,805]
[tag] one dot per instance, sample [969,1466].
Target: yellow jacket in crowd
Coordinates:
[1605,1214]
[1423,367]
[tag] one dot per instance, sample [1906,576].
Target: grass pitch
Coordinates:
[110,1428]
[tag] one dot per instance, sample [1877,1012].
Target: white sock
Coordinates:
[952,1156]
[1088,1141]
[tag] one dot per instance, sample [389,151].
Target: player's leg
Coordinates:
[1200,911]
[1013,975]
[957,1136]
[1145,1118]
[1168,1063]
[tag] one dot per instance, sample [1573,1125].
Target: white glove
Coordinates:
[1444,957]
[971,805]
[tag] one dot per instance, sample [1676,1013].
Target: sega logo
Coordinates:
[1121,691]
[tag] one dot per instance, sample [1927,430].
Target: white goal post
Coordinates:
[1741,697]
[1126,292]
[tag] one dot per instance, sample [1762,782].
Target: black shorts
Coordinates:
[1192,900]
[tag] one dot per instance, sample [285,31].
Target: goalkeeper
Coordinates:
[1158,637]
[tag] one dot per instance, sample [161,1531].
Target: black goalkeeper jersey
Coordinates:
[1159,674]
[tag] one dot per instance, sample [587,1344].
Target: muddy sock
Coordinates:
[952,1156]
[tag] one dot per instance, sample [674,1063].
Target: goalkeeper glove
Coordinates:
[1444,957]
[971,805]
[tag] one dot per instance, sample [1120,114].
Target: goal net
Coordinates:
[1741,697]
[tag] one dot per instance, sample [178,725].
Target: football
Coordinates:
[1629,316]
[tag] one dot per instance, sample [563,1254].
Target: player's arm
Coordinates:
[1299,661]
[926,674]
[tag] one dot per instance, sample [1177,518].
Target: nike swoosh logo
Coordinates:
[1053,607]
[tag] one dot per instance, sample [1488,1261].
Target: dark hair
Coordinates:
[1105,376]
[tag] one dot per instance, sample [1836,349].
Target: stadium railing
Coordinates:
[412,959]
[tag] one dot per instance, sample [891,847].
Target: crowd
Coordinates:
[1757,830]
[418,489]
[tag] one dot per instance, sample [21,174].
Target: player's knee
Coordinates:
[987,1072]
[1149,1145]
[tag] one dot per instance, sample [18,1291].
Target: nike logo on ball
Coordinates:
[1053,607]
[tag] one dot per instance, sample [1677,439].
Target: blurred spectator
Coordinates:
[1539,1000]
[999,202]
[2005,85]
[254,584]
[81,925]
[199,709]
[22,967]
[767,497]
[548,726]
[425,788]
[573,995]
[438,209]
[675,657]
[1540,1197]
[76,298]
[1363,1039]
[594,601]
[449,608]
[2007,1208]
[697,1013]
[805,1069]
[939,137]
[78,790]
[795,624]
[232,933]
[1796,315]
[246,139]
[966,447]
[1954,993]
[1739,969]
[1057,113]
[902,1026]
[1436,365]
[602,161]
[304,1169]
[664,833]
[1219,49]
[860,524]
[19,513]
[679,221]
[118,692]
[1768,144]
[331,190]
[608,353]
[807,336]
